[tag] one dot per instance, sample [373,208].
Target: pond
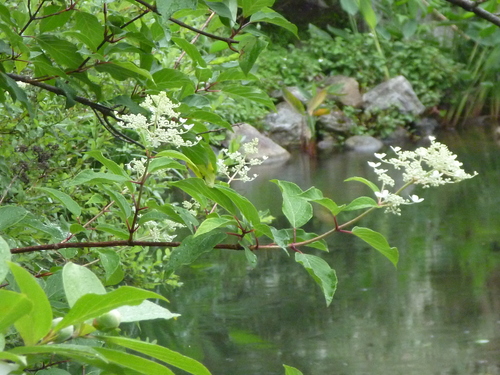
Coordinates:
[438,313]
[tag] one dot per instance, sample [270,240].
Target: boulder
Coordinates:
[285,125]
[336,121]
[327,144]
[266,147]
[348,92]
[363,143]
[394,92]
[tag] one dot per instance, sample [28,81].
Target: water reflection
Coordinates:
[439,313]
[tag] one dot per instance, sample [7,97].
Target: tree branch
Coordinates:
[473,6]
[186,26]
[80,245]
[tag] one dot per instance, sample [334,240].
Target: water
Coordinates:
[438,313]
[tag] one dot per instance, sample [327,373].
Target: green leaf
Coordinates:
[78,281]
[122,70]
[11,215]
[5,256]
[246,207]
[212,118]
[110,164]
[163,162]
[94,305]
[67,350]
[251,93]
[115,231]
[289,370]
[252,6]
[90,177]
[169,7]
[321,272]
[55,20]
[361,203]
[36,324]
[213,223]
[270,16]
[110,261]
[198,189]
[297,210]
[368,183]
[15,92]
[13,306]
[293,101]
[120,201]
[147,310]
[161,353]
[191,51]
[133,362]
[65,199]
[89,25]
[234,74]
[63,52]
[171,78]
[350,6]
[222,10]
[365,6]
[251,257]
[379,242]
[250,49]
[192,247]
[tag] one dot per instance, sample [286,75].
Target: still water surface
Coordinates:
[438,313]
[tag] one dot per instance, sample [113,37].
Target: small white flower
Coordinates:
[374,165]
[379,156]
[382,194]
[415,199]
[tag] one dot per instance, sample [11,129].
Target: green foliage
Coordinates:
[353,55]
[109,179]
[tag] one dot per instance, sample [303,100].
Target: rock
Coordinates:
[348,92]
[426,126]
[285,125]
[336,121]
[363,143]
[394,92]
[398,136]
[327,144]
[266,146]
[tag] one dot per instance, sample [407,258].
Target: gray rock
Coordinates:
[327,144]
[336,121]
[398,136]
[363,143]
[348,92]
[285,125]
[266,146]
[394,92]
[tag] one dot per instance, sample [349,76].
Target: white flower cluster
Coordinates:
[163,232]
[234,165]
[192,206]
[159,128]
[431,166]
[137,166]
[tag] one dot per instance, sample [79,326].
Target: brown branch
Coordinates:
[106,111]
[81,245]
[473,6]
[186,26]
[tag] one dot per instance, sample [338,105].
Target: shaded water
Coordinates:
[439,313]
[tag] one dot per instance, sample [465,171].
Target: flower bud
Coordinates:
[108,321]
[63,334]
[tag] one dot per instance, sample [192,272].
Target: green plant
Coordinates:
[157,196]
